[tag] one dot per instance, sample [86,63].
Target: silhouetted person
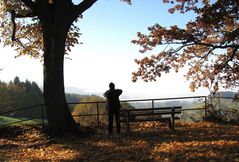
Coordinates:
[113,106]
[236,97]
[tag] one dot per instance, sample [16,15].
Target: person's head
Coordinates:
[112,86]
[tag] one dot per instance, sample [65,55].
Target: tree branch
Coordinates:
[80,8]
[29,3]
[226,63]
[216,46]
[13,16]
[83,6]
[203,44]
[30,14]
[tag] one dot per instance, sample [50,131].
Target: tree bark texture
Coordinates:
[56,17]
[59,117]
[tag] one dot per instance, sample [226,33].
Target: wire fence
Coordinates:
[196,108]
[36,114]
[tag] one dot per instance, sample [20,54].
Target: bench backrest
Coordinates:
[157,110]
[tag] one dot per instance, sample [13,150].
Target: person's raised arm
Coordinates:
[106,94]
[119,91]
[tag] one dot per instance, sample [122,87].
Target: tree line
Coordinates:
[17,94]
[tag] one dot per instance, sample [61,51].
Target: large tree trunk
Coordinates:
[56,17]
[60,119]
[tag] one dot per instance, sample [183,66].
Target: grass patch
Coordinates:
[18,121]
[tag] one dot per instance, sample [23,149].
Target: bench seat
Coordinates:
[162,114]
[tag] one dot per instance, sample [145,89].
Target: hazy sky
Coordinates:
[107,55]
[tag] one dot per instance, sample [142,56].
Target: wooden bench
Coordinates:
[162,114]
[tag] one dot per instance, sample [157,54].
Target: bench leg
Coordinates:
[127,126]
[169,124]
[172,127]
[173,118]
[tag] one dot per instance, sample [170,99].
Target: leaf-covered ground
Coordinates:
[201,141]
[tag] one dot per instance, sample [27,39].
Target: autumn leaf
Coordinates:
[208,45]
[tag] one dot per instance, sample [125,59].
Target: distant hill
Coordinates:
[75,90]
[225,94]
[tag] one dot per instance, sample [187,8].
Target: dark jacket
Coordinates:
[112,99]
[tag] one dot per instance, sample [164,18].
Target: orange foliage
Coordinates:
[208,45]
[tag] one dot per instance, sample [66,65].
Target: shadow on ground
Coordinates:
[202,141]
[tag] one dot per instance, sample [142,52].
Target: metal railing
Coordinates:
[201,102]
[19,120]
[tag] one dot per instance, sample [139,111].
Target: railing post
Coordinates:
[153,110]
[205,115]
[98,116]
[42,115]
[173,117]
